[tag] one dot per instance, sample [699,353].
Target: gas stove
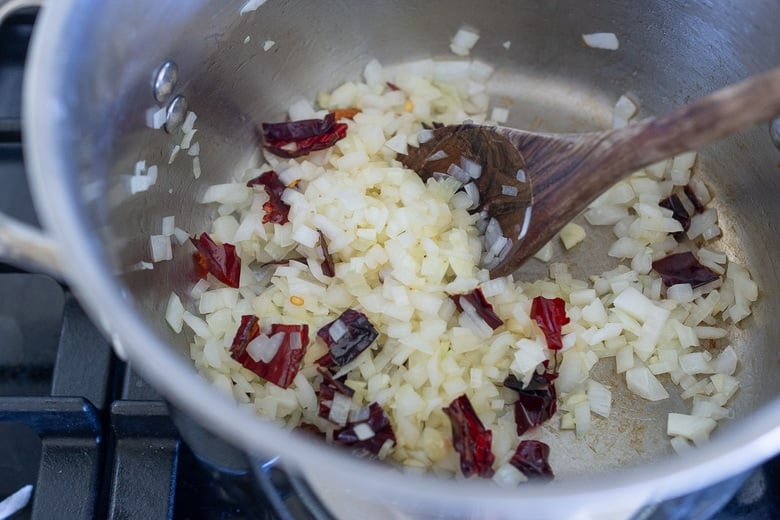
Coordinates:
[95,441]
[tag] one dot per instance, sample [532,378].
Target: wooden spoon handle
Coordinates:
[699,123]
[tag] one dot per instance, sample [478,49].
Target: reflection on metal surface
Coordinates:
[177,111]
[165,81]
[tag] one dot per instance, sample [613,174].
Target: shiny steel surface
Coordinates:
[165,81]
[87,92]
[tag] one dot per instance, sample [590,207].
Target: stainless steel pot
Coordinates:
[89,85]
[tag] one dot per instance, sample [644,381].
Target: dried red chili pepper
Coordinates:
[376,425]
[392,86]
[308,135]
[480,304]
[284,366]
[248,330]
[679,213]
[550,315]
[531,459]
[329,387]
[470,439]
[683,268]
[536,402]
[220,260]
[355,337]
[276,210]
[328,268]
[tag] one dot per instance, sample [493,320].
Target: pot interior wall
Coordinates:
[669,52]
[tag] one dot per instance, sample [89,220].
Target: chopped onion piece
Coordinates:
[473,192]
[607,41]
[340,408]
[264,348]
[500,114]
[250,5]
[691,427]
[436,156]
[464,40]
[600,398]
[644,384]
[572,234]
[168,225]
[174,313]
[472,168]
[161,248]
[508,190]
[363,431]
[425,135]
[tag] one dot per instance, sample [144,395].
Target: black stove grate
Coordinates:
[88,433]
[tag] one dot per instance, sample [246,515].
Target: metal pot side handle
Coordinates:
[21,244]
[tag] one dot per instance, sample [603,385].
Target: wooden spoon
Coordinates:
[534,184]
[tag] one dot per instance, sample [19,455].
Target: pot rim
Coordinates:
[48,148]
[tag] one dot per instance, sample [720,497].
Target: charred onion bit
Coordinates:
[470,439]
[536,402]
[550,315]
[353,334]
[308,135]
[220,260]
[679,213]
[281,370]
[328,268]
[367,436]
[276,210]
[329,387]
[531,459]
[477,300]
[683,268]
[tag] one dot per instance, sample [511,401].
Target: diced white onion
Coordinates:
[691,427]
[161,248]
[339,408]
[464,40]
[250,5]
[337,330]
[363,431]
[174,313]
[264,348]
[644,384]
[606,41]
[472,168]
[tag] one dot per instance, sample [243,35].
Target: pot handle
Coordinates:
[22,244]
